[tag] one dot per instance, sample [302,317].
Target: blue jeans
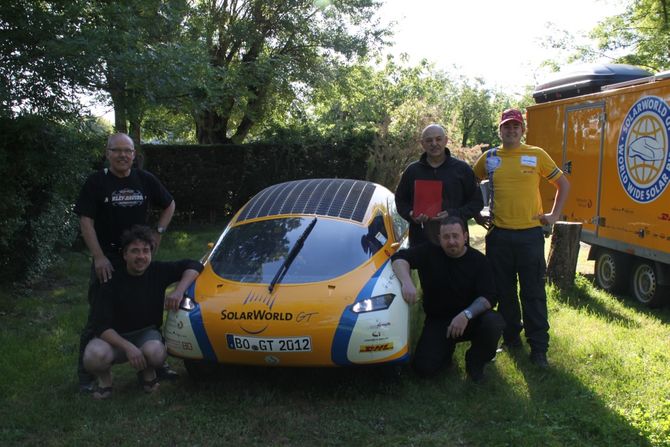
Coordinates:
[520,254]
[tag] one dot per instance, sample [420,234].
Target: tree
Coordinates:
[135,51]
[641,33]
[639,36]
[37,73]
[475,113]
[138,53]
[261,52]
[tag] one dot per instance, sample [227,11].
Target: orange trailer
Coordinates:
[614,145]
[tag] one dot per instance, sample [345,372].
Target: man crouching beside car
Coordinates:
[127,313]
[458,297]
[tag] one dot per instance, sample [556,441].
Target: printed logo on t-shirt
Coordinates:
[127,198]
[528,160]
[492,163]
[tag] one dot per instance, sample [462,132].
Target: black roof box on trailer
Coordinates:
[583,79]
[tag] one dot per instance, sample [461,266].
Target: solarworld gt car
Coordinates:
[301,276]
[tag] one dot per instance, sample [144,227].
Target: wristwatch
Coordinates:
[467,314]
[160,230]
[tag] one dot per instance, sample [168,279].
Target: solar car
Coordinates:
[300,276]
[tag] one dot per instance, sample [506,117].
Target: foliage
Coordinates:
[262,52]
[396,142]
[137,52]
[639,36]
[607,385]
[38,72]
[134,51]
[369,94]
[476,115]
[42,164]
[469,154]
[163,124]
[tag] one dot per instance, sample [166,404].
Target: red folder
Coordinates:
[427,197]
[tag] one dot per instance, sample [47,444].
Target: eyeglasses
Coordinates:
[124,151]
[429,140]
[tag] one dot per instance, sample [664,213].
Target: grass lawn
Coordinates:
[609,384]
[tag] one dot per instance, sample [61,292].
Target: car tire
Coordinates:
[201,370]
[610,271]
[644,285]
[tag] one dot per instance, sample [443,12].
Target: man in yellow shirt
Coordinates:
[515,242]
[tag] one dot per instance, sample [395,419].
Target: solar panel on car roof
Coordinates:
[329,197]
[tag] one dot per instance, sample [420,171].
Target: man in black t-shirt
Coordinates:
[458,296]
[127,314]
[111,201]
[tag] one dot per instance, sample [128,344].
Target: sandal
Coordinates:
[102,392]
[149,386]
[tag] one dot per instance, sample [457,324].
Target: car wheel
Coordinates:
[201,370]
[610,271]
[644,284]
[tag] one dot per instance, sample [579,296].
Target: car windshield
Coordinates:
[255,251]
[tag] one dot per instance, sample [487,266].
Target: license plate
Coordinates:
[260,344]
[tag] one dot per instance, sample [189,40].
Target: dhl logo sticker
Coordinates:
[377,348]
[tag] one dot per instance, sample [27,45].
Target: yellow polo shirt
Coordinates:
[514,181]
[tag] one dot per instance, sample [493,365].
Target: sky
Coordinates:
[497,40]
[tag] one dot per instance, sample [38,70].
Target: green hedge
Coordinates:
[209,183]
[42,165]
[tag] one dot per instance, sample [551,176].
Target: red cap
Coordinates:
[511,115]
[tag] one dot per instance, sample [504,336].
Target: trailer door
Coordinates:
[583,139]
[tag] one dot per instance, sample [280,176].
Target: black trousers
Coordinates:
[434,350]
[520,254]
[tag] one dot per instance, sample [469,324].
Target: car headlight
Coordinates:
[380,302]
[187,303]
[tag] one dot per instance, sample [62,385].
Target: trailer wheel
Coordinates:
[644,284]
[610,271]
[201,370]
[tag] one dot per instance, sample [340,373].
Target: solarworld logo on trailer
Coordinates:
[642,150]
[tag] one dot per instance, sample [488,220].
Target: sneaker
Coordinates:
[539,359]
[166,373]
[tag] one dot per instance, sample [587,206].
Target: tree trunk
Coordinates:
[563,254]
[211,128]
[135,135]
[120,117]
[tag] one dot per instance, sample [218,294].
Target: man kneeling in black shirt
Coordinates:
[127,313]
[458,295]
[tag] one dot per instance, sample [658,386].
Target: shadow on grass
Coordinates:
[549,407]
[586,296]
[560,410]
[330,383]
